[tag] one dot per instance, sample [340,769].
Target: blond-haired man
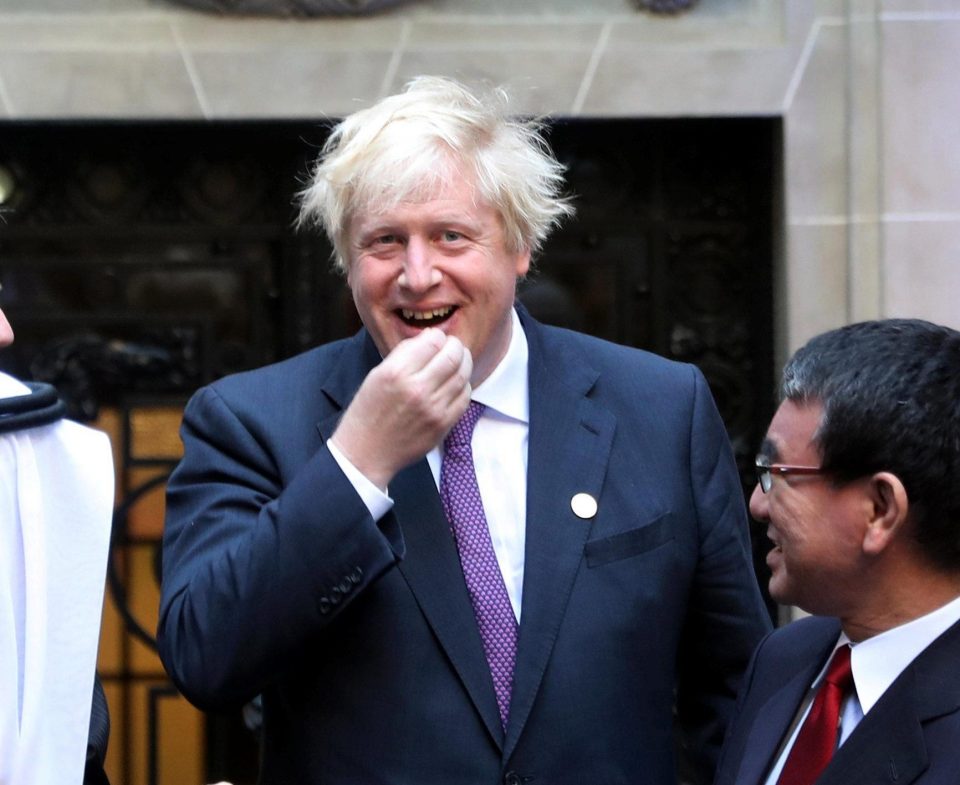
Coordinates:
[533,612]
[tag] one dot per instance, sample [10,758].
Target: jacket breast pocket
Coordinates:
[629,543]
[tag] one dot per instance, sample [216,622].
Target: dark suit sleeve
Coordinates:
[732,751]
[726,616]
[255,563]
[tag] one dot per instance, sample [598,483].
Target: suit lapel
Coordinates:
[358,357]
[430,565]
[773,719]
[889,744]
[432,569]
[569,447]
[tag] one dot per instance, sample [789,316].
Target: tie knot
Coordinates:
[839,672]
[462,431]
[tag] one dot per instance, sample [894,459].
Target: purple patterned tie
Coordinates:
[491,603]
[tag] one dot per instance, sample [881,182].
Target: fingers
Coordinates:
[406,405]
[450,368]
[415,353]
[466,369]
[431,366]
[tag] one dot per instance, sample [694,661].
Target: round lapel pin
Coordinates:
[583,505]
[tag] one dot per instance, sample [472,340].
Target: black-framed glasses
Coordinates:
[765,472]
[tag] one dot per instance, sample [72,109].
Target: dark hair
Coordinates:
[890,392]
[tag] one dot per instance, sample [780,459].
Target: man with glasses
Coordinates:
[859,488]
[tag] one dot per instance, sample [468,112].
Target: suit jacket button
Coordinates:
[324,605]
[512,778]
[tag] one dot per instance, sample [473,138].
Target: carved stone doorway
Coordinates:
[141,260]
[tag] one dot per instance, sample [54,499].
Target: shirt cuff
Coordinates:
[377,502]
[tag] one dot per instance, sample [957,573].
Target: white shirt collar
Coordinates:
[878,661]
[504,391]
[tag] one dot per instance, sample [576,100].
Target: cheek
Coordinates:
[792,527]
[359,298]
[812,543]
[367,288]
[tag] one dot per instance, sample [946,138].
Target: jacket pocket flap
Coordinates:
[629,543]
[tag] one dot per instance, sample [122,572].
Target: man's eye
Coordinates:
[450,236]
[385,239]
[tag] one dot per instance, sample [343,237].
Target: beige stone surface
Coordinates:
[539,82]
[815,151]
[921,118]
[814,284]
[667,82]
[67,34]
[105,84]
[457,35]
[293,83]
[922,270]
[914,7]
[203,32]
[603,57]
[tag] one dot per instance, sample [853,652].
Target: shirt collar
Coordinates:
[877,661]
[505,390]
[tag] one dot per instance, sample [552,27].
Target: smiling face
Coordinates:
[817,528]
[440,261]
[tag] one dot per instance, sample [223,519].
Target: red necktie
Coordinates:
[818,737]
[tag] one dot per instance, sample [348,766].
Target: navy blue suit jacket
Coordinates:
[911,735]
[360,634]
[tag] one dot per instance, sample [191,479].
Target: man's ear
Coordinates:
[888,506]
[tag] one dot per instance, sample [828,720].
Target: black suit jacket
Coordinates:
[911,735]
[360,634]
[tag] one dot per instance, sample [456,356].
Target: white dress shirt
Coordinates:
[876,663]
[499,458]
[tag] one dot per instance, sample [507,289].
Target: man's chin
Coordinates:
[779,591]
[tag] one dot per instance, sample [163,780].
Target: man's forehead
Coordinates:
[437,210]
[768,449]
[792,431]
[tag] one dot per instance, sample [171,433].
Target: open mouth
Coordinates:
[776,548]
[428,318]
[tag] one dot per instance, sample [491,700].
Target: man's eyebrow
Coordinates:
[768,450]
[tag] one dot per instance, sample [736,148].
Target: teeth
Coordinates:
[424,315]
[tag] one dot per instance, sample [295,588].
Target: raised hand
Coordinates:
[406,405]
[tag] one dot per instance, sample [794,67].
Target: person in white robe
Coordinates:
[56,501]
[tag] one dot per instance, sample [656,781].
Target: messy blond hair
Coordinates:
[407,144]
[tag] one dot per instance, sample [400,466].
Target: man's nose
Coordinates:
[759,504]
[419,272]
[6,331]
